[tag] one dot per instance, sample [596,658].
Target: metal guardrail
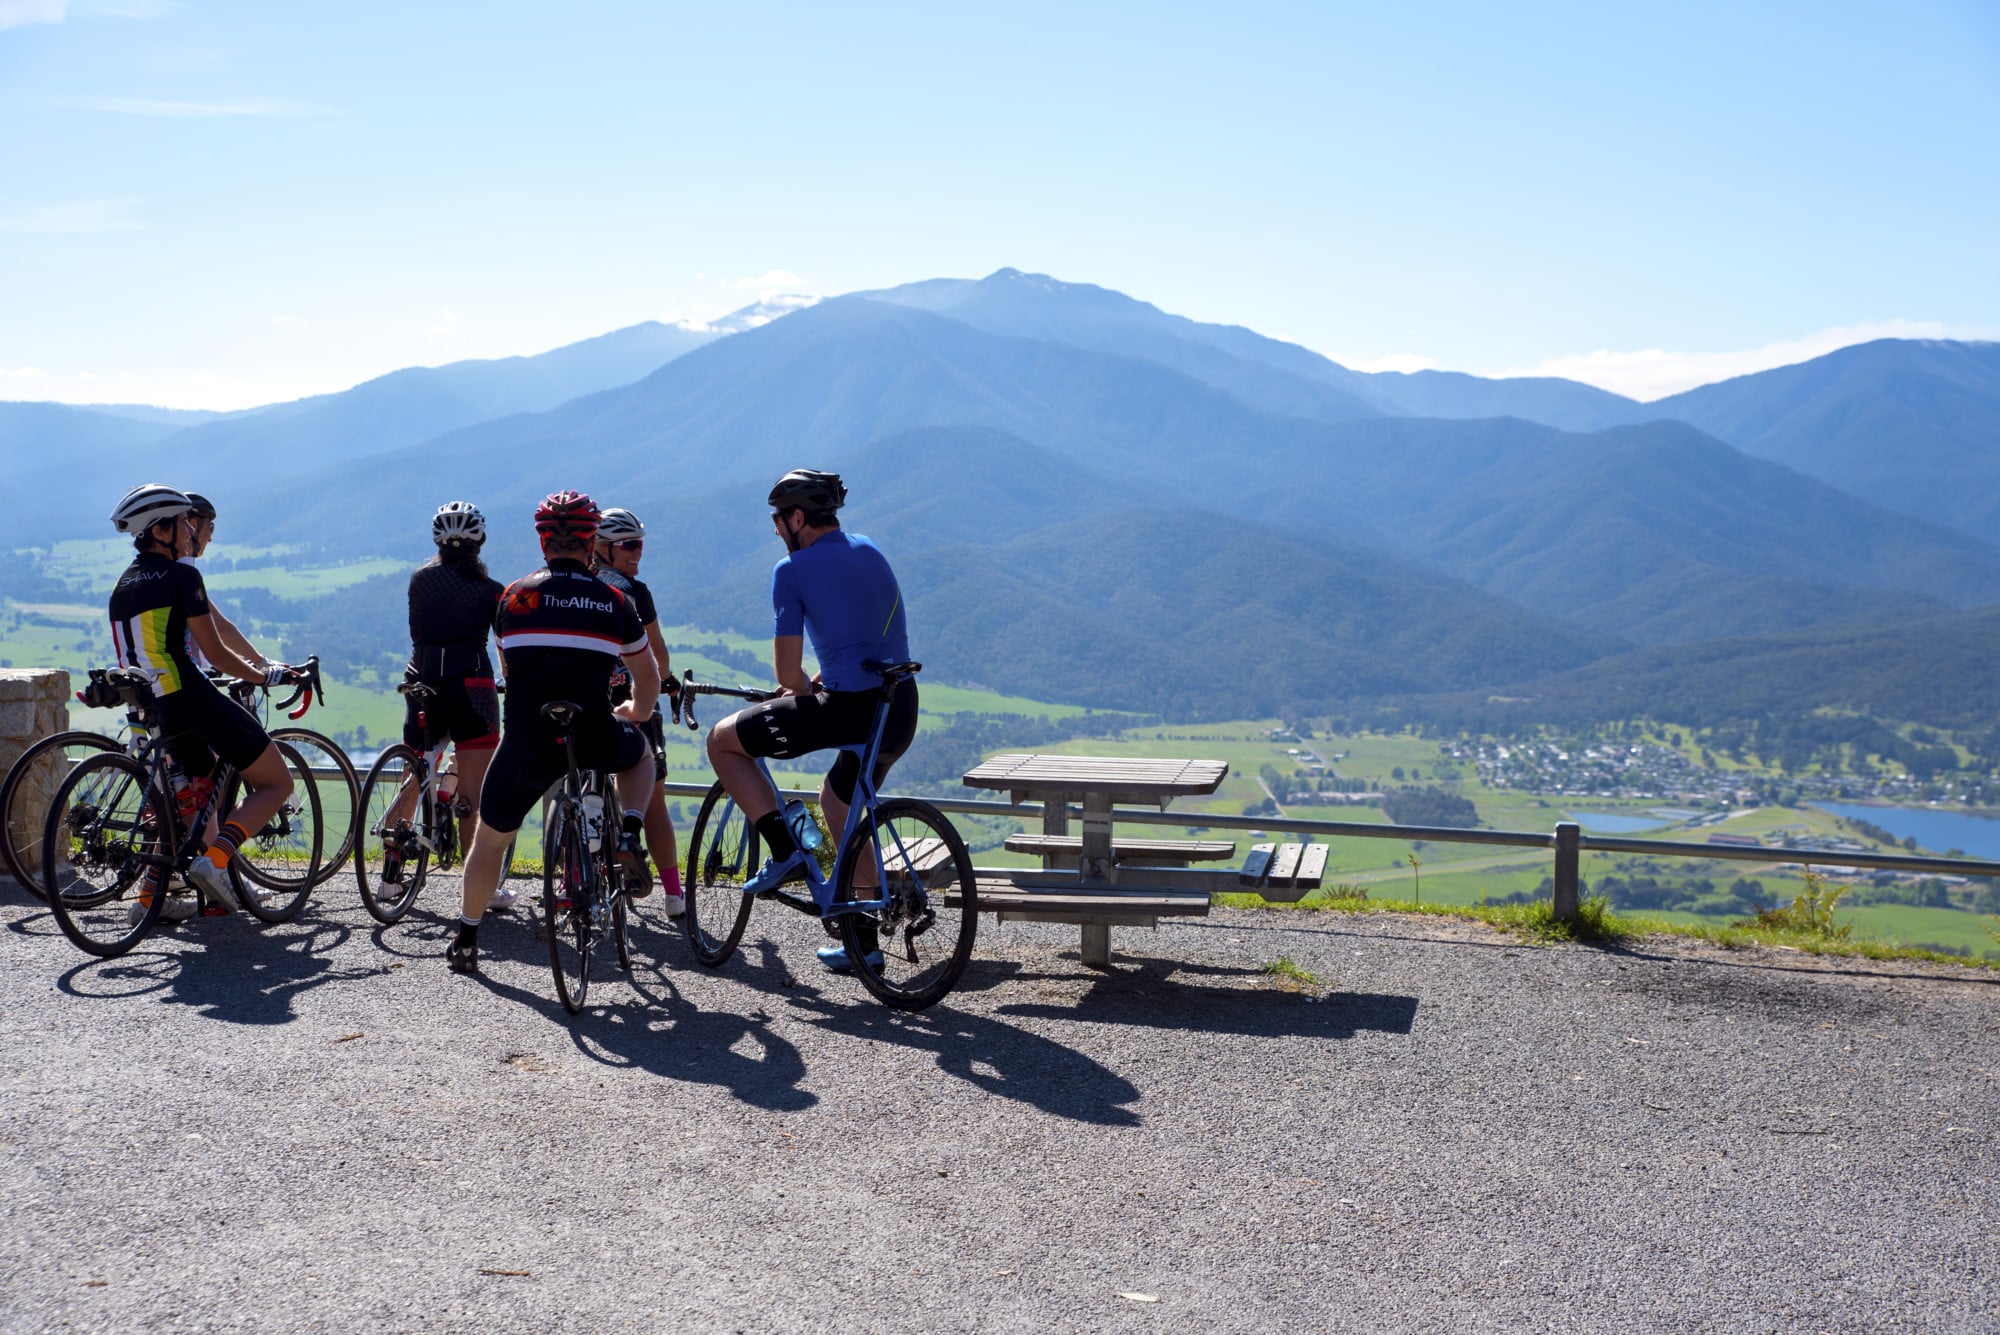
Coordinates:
[1568,840]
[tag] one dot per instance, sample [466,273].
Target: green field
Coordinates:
[364,713]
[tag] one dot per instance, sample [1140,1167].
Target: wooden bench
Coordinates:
[1284,873]
[1170,852]
[919,856]
[1012,902]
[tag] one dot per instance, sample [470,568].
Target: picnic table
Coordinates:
[1091,880]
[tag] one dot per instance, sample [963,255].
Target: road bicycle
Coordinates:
[583,887]
[900,894]
[331,770]
[121,827]
[32,780]
[411,820]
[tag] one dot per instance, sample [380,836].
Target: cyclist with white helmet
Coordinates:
[204,533]
[452,602]
[160,615]
[621,541]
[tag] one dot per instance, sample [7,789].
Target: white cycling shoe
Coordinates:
[214,881]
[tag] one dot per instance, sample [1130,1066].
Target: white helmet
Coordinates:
[458,519]
[616,525]
[146,505]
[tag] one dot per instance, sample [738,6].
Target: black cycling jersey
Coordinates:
[151,606]
[561,629]
[451,612]
[642,603]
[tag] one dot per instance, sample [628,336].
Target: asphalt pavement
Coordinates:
[316,1127]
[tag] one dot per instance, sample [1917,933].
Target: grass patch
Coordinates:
[1289,971]
[1597,924]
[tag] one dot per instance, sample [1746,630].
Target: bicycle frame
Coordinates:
[863,805]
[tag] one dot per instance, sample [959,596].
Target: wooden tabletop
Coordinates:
[1125,778]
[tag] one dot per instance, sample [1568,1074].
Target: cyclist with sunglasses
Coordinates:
[621,542]
[838,588]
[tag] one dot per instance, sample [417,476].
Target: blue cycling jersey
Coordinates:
[841,592]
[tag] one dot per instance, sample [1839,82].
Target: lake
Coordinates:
[1605,822]
[1936,830]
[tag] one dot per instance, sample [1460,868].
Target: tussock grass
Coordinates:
[1596,924]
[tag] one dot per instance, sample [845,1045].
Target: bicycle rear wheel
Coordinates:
[279,865]
[102,821]
[722,855]
[392,801]
[24,799]
[924,936]
[339,792]
[566,904]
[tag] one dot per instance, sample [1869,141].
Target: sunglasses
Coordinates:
[630,545]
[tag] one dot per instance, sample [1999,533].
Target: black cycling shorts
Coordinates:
[530,760]
[793,725]
[654,730]
[465,709]
[200,723]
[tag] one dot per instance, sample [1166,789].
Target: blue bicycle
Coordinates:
[900,895]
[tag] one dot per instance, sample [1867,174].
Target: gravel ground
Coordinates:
[316,1127]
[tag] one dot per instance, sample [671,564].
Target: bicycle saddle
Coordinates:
[416,690]
[562,713]
[892,672]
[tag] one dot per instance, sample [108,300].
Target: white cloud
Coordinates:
[445,325]
[146,106]
[20,13]
[777,280]
[129,9]
[163,389]
[1654,373]
[1395,361]
[84,217]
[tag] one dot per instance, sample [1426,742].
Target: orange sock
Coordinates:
[226,842]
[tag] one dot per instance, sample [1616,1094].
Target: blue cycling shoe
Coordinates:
[835,958]
[774,874]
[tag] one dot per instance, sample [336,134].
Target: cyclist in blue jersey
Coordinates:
[838,588]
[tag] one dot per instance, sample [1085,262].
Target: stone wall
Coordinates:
[34,703]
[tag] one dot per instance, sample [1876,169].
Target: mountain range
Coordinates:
[1091,499]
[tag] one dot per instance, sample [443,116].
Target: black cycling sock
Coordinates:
[777,838]
[635,821]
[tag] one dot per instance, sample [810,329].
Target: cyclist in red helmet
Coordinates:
[560,631]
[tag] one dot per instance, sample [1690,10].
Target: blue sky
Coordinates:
[219,204]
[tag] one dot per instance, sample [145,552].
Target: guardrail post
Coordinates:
[1569,844]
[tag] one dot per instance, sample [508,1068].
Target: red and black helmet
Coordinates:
[567,514]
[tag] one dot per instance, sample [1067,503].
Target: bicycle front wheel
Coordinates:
[566,904]
[279,865]
[339,792]
[104,822]
[722,855]
[389,860]
[24,799]
[910,953]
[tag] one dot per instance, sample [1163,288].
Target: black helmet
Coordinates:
[810,490]
[204,508]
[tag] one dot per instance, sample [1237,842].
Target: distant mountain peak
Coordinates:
[756,315]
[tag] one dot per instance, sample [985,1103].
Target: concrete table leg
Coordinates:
[1097,946]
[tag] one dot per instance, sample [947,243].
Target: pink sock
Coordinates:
[670,880]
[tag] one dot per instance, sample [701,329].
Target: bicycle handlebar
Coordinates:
[307,685]
[690,688]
